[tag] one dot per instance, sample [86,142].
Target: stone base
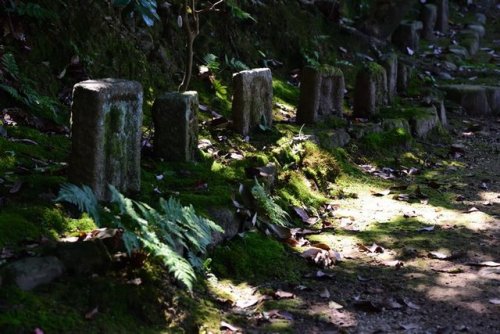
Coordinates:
[472,98]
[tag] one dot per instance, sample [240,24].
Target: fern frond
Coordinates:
[83,197]
[276,214]
[10,65]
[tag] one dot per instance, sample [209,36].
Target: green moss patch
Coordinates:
[256,258]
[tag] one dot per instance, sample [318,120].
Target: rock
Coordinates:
[335,138]
[428,16]
[407,35]
[228,220]
[445,76]
[360,130]
[390,63]
[480,18]
[472,98]
[84,257]
[177,143]
[449,66]
[424,122]
[106,135]
[252,99]
[30,272]
[370,91]
[470,40]
[403,77]
[459,51]
[478,28]
[389,124]
[493,94]
[443,14]
[321,94]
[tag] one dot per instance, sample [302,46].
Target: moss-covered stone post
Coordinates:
[252,99]
[176,126]
[390,63]
[321,94]
[428,16]
[370,91]
[443,14]
[106,135]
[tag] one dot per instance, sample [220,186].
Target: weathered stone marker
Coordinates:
[428,15]
[403,77]
[472,98]
[443,14]
[176,126]
[106,135]
[390,63]
[470,40]
[252,99]
[407,35]
[370,91]
[321,94]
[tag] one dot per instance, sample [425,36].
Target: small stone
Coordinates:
[84,257]
[478,28]
[450,66]
[106,135]
[252,100]
[228,220]
[335,138]
[177,143]
[459,51]
[445,76]
[389,124]
[30,272]
[424,122]
[470,40]
[480,18]
[3,132]
[321,94]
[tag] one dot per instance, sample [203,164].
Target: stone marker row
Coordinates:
[107,120]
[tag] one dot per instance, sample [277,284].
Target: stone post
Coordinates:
[390,63]
[428,16]
[407,35]
[106,135]
[443,14]
[176,126]
[321,94]
[370,91]
[403,77]
[252,99]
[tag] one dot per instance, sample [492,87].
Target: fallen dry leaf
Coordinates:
[280,294]
[225,325]
[92,313]
[495,301]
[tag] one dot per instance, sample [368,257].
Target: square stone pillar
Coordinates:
[106,125]
[176,126]
[252,99]
[390,63]
[321,94]
[370,91]
[443,14]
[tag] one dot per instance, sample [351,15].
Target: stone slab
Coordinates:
[31,272]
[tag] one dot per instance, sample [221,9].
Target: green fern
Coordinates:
[276,214]
[83,198]
[160,232]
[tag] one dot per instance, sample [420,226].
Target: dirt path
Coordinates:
[408,266]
